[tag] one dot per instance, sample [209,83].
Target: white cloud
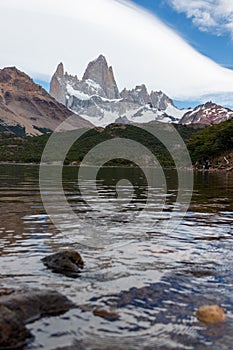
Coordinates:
[215,16]
[38,34]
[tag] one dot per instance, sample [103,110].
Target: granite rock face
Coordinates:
[137,95]
[96,97]
[99,72]
[57,85]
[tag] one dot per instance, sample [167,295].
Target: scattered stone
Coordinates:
[210,314]
[108,315]
[67,262]
[21,307]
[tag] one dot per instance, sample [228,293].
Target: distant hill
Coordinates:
[29,149]
[207,114]
[213,144]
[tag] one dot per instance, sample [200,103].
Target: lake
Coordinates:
[153,276]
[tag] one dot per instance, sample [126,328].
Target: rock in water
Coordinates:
[33,304]
[12,331]
[108,315]
[67,262]
[18,308]
[211,314]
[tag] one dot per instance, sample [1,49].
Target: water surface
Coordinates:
[152,277]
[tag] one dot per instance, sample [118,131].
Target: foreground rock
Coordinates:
[13,332]
[67,262]
[17,308]
[210,314]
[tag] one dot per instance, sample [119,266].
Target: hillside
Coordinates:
[213,144]
[207,114]
[29,149]
[26,108]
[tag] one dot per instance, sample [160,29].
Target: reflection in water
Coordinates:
[154,279]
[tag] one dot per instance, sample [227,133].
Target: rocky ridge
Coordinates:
[207,114]
[96,97]
[25,107]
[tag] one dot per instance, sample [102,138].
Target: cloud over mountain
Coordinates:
[141,48]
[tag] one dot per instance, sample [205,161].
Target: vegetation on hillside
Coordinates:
[212,143]
[29,149]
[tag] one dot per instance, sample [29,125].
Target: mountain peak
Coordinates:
[57,89]
[96,97]
[60,70]
[207,114]
[101,58]
[99,72]
[13,79]
[25,107]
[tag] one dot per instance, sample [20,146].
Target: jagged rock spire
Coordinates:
[60,70]
[99,72]
[57,85]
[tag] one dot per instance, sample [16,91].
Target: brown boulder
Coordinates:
[67,262]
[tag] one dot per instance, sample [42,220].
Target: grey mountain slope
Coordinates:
[96,97]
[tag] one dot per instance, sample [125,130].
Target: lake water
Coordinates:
[152,276]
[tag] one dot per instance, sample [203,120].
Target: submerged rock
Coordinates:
[12,330]
[108,315]
[211,314]
[18,308]
[67,262]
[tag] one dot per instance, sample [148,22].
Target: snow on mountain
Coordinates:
[97,99]
[207,114]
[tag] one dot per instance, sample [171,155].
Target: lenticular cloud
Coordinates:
[137,44]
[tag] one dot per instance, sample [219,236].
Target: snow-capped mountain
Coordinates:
[207,114]
[96,97]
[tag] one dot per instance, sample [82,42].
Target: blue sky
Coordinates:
[208,41]
[214,40]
